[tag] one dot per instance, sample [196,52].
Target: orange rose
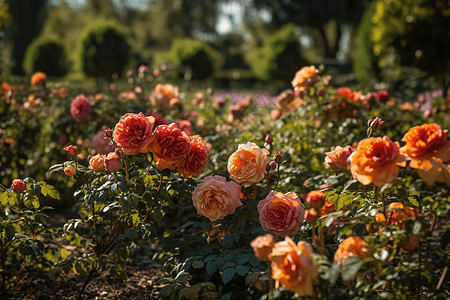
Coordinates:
[262,246]
[427,148]
[397,214]
[281,214]
[293,267]
[216,198]
[336,160]
[170,146]
[96,163]
[248,163]
[327,208]
[352,246]
[70,170]
[305,78]
[375,161]
[315,199]
[424,143]
[38,78]
[197,158]
[133,133]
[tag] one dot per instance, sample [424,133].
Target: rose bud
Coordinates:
[272,166]
[96,163]
[112,163]
[72,150]
[108,132]
[375,123]
[262,246]
[278,158]
[70,170]
[18,186]
[311,216]
[315,199]
[268,139]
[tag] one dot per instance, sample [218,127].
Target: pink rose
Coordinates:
[102,144]
[112,162]
[80,108]
[248,163]
[281,214]
[216,198]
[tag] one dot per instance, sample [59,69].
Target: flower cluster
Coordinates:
[164,96]
[171,147]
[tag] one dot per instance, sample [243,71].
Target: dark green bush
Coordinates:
[103,50]
[364,62]
[47,55]
[198,56]
[279,57]
[412,33]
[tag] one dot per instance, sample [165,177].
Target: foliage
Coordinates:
[47,55]
[412,33]
[196,58]
[279,57]
[103,50]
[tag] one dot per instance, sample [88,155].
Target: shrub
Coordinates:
[103,50]
[364,64]
[279,57]
[414,32]
[47,55]
[195,55]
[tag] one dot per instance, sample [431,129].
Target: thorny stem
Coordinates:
[155,199]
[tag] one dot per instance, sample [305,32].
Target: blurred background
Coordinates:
[225,41]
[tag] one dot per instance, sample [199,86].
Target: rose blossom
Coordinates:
[336,160]
[305,78]
[315,199]
[375,161]
[70,170]
[133,133]
[38,78]
[112,162]
[293,267]
[184,125]
[197,158]
[159,118]
[262,246]
[281,214]
[80,108]
[248,163]
[18,186]
[170,146]
[352,246]
[102,143]
[72,150]
[96,163]
[216,198]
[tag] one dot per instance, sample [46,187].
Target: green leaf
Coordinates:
[211,267]
[182,277]
[198,264]
[163,281]
[117,272]
[343,200]
[412,198]
[250,278]
[242,270]
[79,268]
[227,275]
[10,232]
[228,241]
[63,253]
[30,200]
[167,290]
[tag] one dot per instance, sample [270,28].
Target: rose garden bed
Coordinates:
[153,192]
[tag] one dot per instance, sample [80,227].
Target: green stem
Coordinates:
[155,199]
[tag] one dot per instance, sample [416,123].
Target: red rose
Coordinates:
[18,186]
[133,133]
[170,146]
[112,162]
[197,158]
[72,150]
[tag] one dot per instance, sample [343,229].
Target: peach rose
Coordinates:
[248,163]
[315,199]
[133,133]
[18,186]
[38,78]
[281,214]
[262,246]
[293,267]
[375,161]
[96,163]
[336,160]
[424,143]
[197,158]
[70,170]
[305,78]
[170,146]
[352,246]
[216,198]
